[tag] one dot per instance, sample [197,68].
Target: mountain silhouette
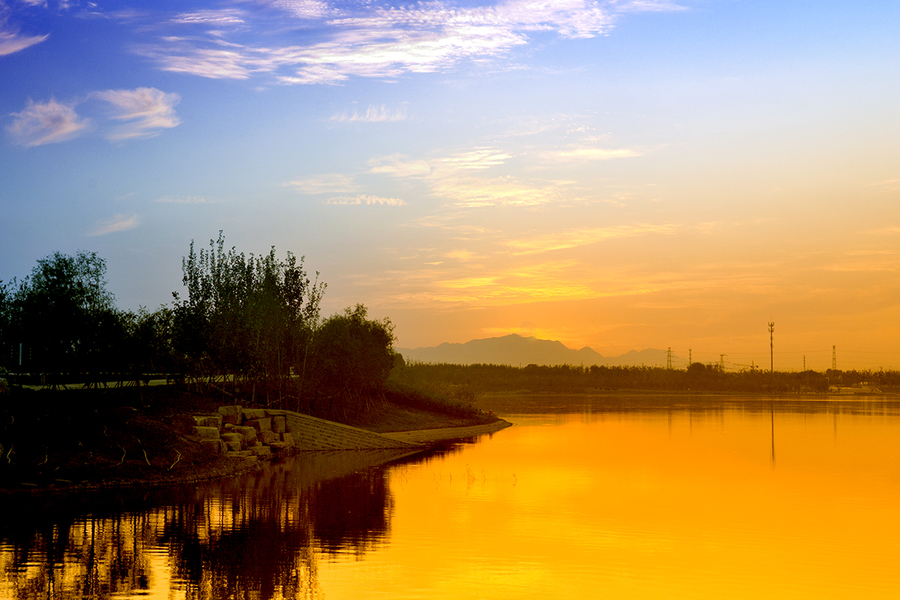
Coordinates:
[516,351]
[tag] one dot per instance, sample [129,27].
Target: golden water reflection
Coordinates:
[677,501]
[584,497]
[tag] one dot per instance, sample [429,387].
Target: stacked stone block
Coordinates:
[242,432]
[258,432]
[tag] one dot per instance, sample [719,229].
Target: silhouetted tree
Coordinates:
[246,316]
[63,315]
[353,358]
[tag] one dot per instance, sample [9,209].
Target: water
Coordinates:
[601,497]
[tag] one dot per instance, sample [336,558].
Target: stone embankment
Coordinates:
[255,432]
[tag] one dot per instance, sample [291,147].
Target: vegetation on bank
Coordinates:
[466,381]
[88,436]
[248,326]
[247,331]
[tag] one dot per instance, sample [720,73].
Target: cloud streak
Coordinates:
[366,200]
[46,123]
[584,237]
[587,153]
[379,41]
[373,114]
[11,41]
[143,112]
[329,183]
[117,223]
[146,110]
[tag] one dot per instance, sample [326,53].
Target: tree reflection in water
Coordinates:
[256,535]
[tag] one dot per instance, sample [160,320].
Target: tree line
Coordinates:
[472,379]
[247,324]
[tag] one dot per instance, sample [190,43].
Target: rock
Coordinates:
[254,413]
[264,424]
[279,424]
[207,433]
[242,454]
[261,451]
[209,421]
[267,437]
[287,438]
[236,439]
[249,434]
[231,414]
[280,446]
[216,445]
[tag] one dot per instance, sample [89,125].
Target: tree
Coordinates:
[245,315]
[62,314]
[354,356]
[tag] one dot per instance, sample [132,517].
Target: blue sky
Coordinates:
[621,174]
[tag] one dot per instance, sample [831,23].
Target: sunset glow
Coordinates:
[614,174]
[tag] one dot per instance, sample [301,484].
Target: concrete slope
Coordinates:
[311,433]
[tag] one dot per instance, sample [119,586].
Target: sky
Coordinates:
[620,174]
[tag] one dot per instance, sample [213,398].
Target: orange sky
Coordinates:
[618,174]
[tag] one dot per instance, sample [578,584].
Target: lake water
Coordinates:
[584,497]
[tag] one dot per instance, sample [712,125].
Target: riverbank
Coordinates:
[89,439]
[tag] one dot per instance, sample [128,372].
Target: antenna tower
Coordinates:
[771,347]
[834,358]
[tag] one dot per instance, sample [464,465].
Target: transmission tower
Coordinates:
[669,359]
[771,347]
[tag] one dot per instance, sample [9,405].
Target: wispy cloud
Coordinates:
[476,192]
[143,111]
[328,183]
[180,55]
[373,114]
[646,6]
[366,199]
[11,40]
[301,9]
[117,223]
[218,17]
[46,123]
[474,178]
[586,153]
[476,159]
[583,237]
[367,40]
[148,109]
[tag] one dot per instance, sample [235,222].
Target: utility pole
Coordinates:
[771,347]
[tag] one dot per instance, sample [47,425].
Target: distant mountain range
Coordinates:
[516,351]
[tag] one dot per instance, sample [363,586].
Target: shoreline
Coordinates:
[207,466]
[697,393]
